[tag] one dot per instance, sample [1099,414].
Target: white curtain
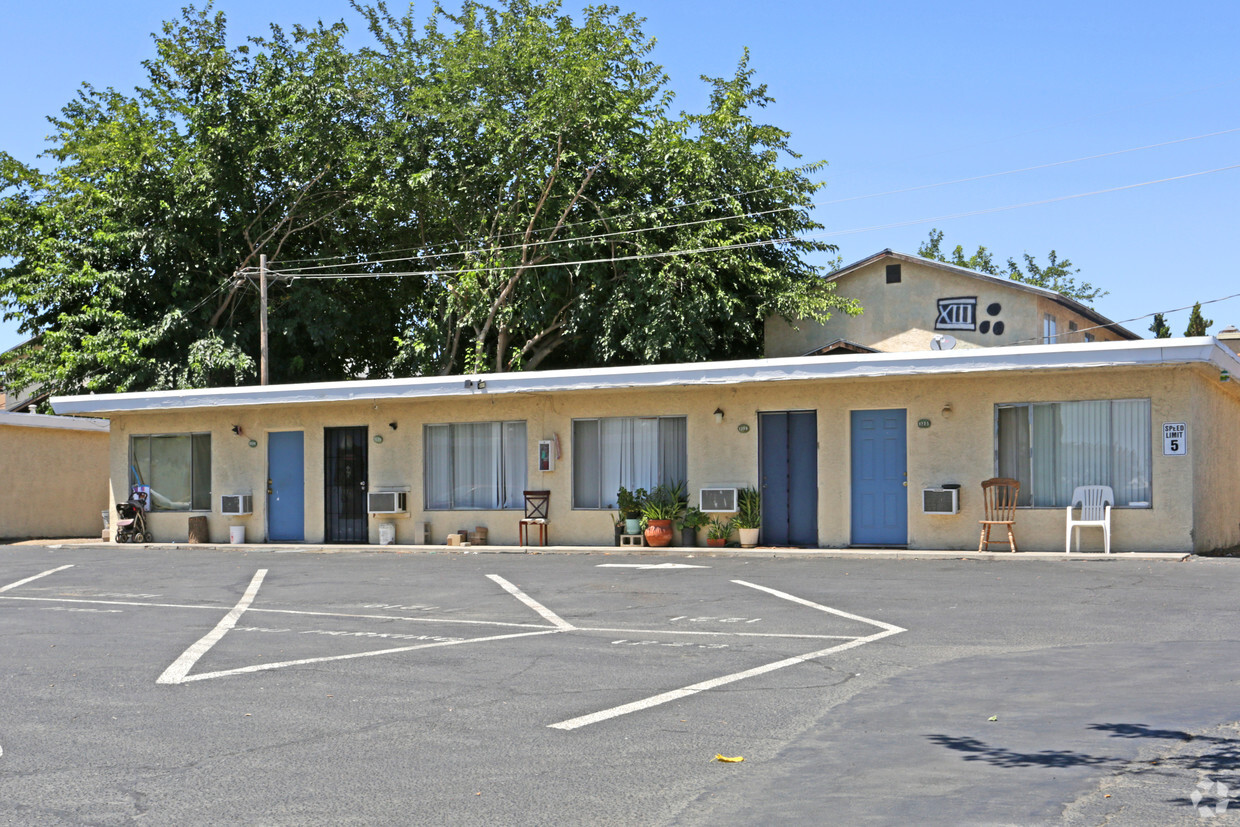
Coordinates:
[625,451]
[515,462]
[438,466]
[475,465]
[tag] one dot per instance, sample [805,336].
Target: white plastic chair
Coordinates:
[1095,502]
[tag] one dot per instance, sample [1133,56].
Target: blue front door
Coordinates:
[286,486]
[788,456]
[879,478]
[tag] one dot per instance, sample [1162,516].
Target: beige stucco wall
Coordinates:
[956,448]
[1214,445]
[901,317]
[55,481]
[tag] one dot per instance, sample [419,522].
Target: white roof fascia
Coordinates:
[973,360]
[65,423]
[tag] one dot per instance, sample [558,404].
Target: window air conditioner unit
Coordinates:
[940,501]
[720,500]
[387,502]
[235,505]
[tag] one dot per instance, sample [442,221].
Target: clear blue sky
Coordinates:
[892,95]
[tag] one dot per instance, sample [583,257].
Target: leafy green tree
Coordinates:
[1159,327]
[542,202]
[1057,275]
[1197,323]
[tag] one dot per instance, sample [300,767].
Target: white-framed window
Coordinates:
[474,466]
[176,467]
[1052,447]
[634,452]
[1050,329]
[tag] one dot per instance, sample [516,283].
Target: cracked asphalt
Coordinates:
[415,689]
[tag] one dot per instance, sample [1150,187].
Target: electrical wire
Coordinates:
[1038,339]
[285,265]
[280,273]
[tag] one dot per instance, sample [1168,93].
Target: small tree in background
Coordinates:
[1159,327]
[1197,324]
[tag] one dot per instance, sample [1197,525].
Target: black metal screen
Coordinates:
[344,484]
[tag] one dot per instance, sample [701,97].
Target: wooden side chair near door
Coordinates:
[999,498]
[537,504]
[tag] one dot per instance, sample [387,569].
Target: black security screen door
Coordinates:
[344,484]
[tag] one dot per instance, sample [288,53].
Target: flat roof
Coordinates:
[1203,349]
[67,423]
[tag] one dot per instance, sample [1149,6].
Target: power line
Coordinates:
[1037,339]
[750,244]
[1025,169]
[571,239]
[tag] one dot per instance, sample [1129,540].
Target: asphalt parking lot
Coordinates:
[205,686]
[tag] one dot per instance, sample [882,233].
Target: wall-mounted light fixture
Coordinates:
[718,414]
[947,411]
[253,443]
[482,384]
[236,429]
[378,439]
[469,383]
[392,425]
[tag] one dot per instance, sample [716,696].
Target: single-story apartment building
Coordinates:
[55,471]
[842,446]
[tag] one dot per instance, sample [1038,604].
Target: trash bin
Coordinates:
[236,534]
[387,534]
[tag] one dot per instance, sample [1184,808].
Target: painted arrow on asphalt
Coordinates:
[649,566]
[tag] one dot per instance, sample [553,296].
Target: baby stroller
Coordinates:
[131,519]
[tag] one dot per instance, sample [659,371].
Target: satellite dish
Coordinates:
[942,342]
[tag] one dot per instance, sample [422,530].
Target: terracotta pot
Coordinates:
[658,532]
[716,542]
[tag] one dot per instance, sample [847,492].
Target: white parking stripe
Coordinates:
[449,620]
[180,667]
[548,615]
[36,577]
[703,632]
[880,624]
[262,667]
[677,694]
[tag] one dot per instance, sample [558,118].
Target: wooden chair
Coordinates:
[999,497]
[1095,502]
[537,504]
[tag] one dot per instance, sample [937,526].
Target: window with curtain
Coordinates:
[474,466]
[633,452]
[1052,447]
[177,467]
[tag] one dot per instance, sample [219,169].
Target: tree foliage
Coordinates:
[1057,275]
[1159,327]
[1197,323]
[526,167]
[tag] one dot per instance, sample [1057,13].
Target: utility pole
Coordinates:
[262,319]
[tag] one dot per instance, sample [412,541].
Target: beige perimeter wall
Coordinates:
[958,447]
[53,482]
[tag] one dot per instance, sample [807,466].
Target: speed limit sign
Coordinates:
[1175,439]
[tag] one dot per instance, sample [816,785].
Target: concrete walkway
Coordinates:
[668,551]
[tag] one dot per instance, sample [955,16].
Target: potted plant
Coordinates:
[718,531]
[630,505]
[748,519]
[694,519]
[660,510]
[617,524]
